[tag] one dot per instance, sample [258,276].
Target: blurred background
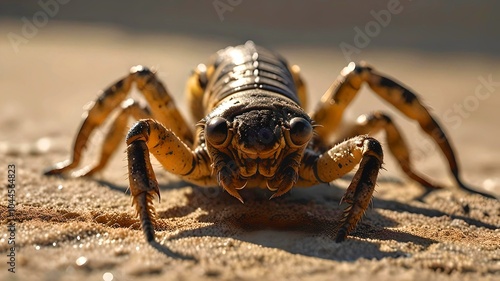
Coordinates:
[443,26]
[56,55]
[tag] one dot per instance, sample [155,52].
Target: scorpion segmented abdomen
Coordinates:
[249,67]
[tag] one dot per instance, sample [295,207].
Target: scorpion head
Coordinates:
[255,144]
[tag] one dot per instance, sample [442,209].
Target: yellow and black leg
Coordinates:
[374,122]
[338,161]
[148,136]
[329,111]
[116,134]
[161,107]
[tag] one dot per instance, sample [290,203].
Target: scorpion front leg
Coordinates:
[337,162]
[175,156]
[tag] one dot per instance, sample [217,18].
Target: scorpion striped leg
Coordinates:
[337,162]
[116,134]
[143,186]
[376,121]
[329,112]
[159,100]
[95,116]
[148,136]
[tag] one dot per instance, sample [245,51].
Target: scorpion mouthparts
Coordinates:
[283,188]
[229,183]
[280,192]
[243,186]
[270,188]
[234,193]
[285,182]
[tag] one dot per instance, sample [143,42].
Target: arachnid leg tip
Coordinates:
[52,171]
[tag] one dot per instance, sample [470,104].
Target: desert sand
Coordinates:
[85,229]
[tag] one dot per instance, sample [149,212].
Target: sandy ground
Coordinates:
[85,229]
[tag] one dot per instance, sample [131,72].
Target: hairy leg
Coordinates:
[338,161]
[148,136]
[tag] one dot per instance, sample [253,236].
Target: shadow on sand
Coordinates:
[301,222]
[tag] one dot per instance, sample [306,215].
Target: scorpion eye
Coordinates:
[216,130]
[300,131]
